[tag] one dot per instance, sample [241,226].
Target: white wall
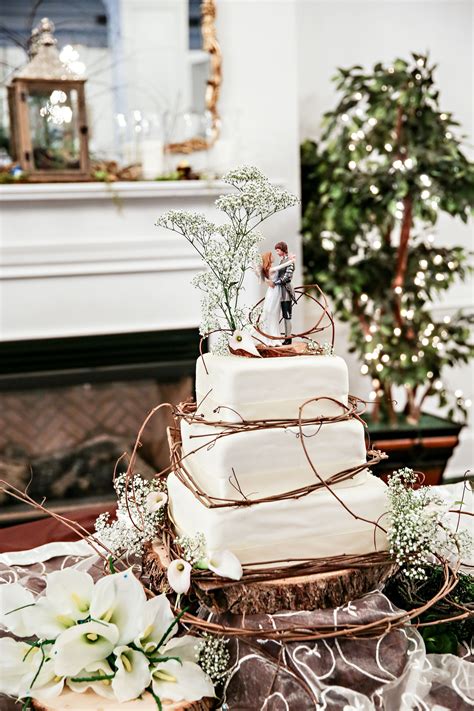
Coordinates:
[259,101]
[338,33]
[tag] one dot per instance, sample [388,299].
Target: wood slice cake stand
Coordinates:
[304,592]
[88,701]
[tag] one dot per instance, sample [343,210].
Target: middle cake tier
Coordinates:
[264,462]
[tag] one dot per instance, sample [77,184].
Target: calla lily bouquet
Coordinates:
[104,636]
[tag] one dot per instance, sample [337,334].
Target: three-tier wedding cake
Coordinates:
[244,444]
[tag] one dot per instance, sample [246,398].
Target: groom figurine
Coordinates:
[287,293]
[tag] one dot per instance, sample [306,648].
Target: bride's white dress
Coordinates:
[271,313]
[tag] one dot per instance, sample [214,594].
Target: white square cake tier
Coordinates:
[231,388]
[313,526]
[259,463]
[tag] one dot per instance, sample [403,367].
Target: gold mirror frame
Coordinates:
[210,45]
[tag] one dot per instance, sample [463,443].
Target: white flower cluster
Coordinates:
[104,636]
[229,250]
[141,507]
[214,657]
[193,548]
[418,529]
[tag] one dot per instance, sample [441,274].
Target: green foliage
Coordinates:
[440,638]
[388,162]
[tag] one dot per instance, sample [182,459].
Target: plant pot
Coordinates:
[425,447]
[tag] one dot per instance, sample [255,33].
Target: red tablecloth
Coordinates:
[48,530]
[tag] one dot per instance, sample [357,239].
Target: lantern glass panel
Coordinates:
[53,118]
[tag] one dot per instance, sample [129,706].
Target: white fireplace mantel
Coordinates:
[86,258]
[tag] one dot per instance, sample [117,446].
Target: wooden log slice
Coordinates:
[306,592]
[88,701]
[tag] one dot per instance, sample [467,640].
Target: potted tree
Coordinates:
[387,164]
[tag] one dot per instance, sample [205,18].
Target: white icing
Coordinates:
[269,388]
[270,461]
[314,526]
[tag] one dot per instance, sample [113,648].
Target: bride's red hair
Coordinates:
[267,259]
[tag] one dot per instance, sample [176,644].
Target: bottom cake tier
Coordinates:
[314,526]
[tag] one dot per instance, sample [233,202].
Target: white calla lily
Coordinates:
[242,340]
[225,564]
[155,500]
[119,599]
[15,600]
[70,591]
[83,644]
[47,684]
[157,617]
[19,663]
[66,600]
[179,575]
[183,681]
[101,687]
[46,621]
[133,673]
[186,648]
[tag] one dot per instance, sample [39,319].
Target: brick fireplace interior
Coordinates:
[70,407]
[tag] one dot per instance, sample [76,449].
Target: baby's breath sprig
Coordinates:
[193,548]
[214,657]
[141,507]
[418,528]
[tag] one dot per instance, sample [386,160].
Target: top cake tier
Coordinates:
[234,388]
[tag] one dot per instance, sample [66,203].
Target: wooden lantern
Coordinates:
[48,122]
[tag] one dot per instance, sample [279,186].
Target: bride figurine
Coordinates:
[271,313]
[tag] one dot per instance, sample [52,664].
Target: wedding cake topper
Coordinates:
[230,251]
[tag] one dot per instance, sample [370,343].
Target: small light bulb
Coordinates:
[352,165]
[352,147]
[374,190]
[443,117]
[388,147]
[438,385]
[403,356]
[397,331]
[397,164]
[414,358]
[425,194]
[429,374]
[364,298]
[425,341]
[344,118]
[423,263]
[372,121]
[368,338]
[467,402]
[409,163]
[376,244]
[385,358]
[458,393]
[398,290]
[447,319]
[379,367]
[372,395]
[440,277]
[437,259]
[425,180]
[364,369]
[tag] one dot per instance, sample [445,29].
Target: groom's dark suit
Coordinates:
[287,295]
